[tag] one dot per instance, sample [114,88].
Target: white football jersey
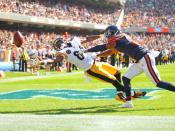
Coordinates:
[76,57]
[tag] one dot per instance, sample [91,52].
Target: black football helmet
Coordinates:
[111,30]
[58,44]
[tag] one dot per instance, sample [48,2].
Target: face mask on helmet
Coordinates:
[108,33]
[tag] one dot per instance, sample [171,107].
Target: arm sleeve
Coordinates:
[97,48]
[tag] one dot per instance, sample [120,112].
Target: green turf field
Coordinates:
[162,105]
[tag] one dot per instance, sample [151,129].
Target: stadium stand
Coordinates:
[152,13]
[138,14]
[61,10]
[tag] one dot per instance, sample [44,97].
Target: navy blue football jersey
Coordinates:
[125,44]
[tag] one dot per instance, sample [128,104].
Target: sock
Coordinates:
[127,87]
[119,87]
[118,76]
[166,85]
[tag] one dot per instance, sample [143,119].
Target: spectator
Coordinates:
[24,58]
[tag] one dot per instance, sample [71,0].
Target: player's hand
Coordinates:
[82,51]
[94,55]
[85,50]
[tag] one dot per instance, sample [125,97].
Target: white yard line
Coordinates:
[84,122]
[36,77]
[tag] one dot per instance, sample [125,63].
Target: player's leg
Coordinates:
[112,70]
[152,72]
[116,72]
[134,70]
[98,72]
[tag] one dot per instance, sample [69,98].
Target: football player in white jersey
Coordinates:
[73,53]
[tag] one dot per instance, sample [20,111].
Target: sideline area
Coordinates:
[13,79]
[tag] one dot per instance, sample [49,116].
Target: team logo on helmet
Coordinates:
[111,30]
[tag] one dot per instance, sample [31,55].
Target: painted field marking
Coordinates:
[106,93]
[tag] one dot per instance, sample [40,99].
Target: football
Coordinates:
[18,39]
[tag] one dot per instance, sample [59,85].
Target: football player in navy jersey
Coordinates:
[145,61]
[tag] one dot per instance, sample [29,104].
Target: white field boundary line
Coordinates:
[85,122]
[36,77]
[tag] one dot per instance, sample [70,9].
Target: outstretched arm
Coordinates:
[92,38]
[97,48]
[107,53]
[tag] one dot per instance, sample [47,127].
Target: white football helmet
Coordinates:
[59,44]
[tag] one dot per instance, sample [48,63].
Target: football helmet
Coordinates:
[111,30]
[59,44]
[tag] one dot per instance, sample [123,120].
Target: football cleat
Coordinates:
[138,94]
[127,104]
[120,97]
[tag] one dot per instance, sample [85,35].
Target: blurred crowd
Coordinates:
[162,43]
[37,47]
[60,11]
[138,13]
[40,45]
[149,13]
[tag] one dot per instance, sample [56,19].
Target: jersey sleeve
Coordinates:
[97,48]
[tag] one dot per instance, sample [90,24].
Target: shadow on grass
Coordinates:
[88,110]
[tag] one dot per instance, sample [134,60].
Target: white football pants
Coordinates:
[146,64]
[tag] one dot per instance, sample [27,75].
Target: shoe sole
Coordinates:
[126,107]
[129,106]
[118,98]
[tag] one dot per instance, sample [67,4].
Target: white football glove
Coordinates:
[94,55]
[81,51]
